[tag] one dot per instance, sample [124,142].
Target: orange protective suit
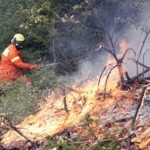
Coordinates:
[11,65]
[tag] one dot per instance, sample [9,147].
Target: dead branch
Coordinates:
[110,51]
[141,49]
[65,102]
[101,77]
[12,127]
[112,43]
[117,38]
[144,58]
[71,89]
[141,64]
[105,88]
[127,76]
[65,105]
[118,62]
[125,53]
[135,78]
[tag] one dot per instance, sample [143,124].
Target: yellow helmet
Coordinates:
[18,40]
[19,37]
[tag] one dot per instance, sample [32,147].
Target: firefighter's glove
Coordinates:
[34,67]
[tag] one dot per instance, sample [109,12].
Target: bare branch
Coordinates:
[70,88]
[117,38]
[112,43]
[125,53]
[141,49]
[147,50]
[101,77]
[141,64]
[105,88]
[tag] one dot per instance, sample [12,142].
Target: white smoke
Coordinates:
[135,33]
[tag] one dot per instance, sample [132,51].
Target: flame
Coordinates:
[52,118]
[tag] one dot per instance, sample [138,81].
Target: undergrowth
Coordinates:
[17,100]
[64,142]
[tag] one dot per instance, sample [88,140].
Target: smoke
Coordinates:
[138,36]
[128,19]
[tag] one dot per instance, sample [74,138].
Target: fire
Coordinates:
[52,118]
[81,100]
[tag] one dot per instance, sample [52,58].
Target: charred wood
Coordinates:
[132,80]
[65,102]
[127,76]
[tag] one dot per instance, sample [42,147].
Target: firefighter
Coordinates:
[11,62]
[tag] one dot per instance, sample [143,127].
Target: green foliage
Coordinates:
[87,125]
[59,146]
[63,143]
[49,29]
[44,78]
[67,145]
[112,145]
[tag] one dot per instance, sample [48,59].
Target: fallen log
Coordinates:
[132,80]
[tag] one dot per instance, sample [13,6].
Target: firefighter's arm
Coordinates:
[19,63]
